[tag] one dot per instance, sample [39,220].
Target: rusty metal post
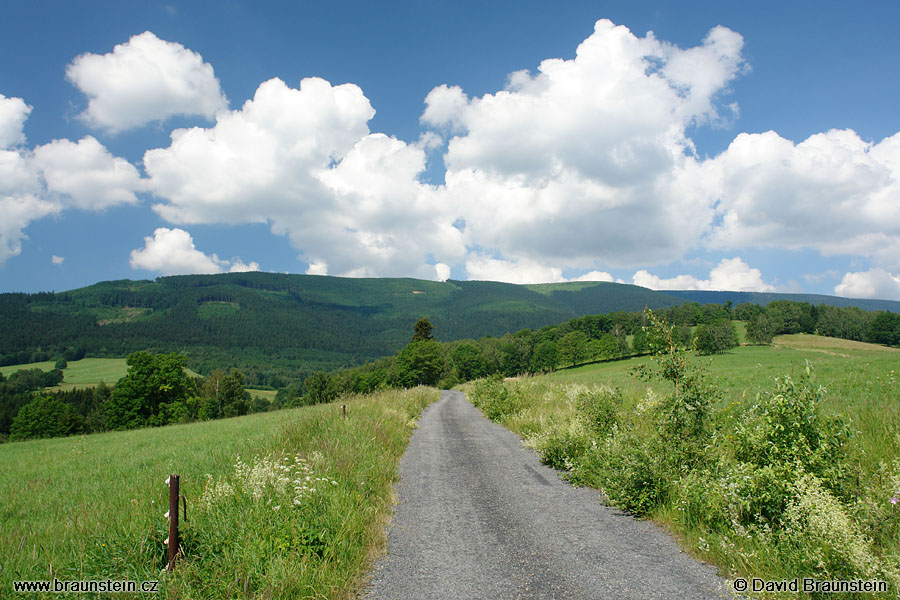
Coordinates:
[173,521]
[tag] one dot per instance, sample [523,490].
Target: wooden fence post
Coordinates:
[173,540]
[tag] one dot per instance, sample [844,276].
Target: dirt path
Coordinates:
[480,517]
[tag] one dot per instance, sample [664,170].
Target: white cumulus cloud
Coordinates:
[587,160]
[581,165]
[486,268]
[13,114]
[833,192]
[442,271]
[304,161]
[874,283]
[238,266]
[46,180]
[22,197]
[87,173]
[172,252]
[595,276]
[143,80]
[731,274]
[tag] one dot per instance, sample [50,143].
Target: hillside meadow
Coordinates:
[794,472]
[87,372]
[286,504]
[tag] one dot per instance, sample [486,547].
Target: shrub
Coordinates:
[495,399]
[701,500]
[757,494]
[563,450]
[631,473]
[785,427]
[598,408]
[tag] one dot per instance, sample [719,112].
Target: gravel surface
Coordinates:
[480,517]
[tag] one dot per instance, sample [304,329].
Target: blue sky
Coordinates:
[739,146]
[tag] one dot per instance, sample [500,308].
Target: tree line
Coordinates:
[706,329]
[155,391]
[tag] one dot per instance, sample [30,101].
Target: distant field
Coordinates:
[91,507]
[87,372]
[266,394]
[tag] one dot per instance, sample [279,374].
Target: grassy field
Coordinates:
[264,394]
[288,504]
[87,372]
[708,501]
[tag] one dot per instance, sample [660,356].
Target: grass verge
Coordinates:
[286,504]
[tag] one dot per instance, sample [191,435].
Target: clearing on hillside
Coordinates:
[87,372]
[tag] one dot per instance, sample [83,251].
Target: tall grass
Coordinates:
[822,509]
[92,507]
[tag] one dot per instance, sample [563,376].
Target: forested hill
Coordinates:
[763,298]
[270,322]
[303,322]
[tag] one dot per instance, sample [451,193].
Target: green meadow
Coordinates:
[87,372]
[834,517]
[286,504]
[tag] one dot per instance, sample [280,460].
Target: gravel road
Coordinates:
[479,517]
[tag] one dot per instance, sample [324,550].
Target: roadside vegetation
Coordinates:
[287,504]
[746,457]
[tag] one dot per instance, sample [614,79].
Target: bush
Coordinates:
[785,427]
[598,408]
[702,501]
[631,473]
[562,451]
[494,399]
